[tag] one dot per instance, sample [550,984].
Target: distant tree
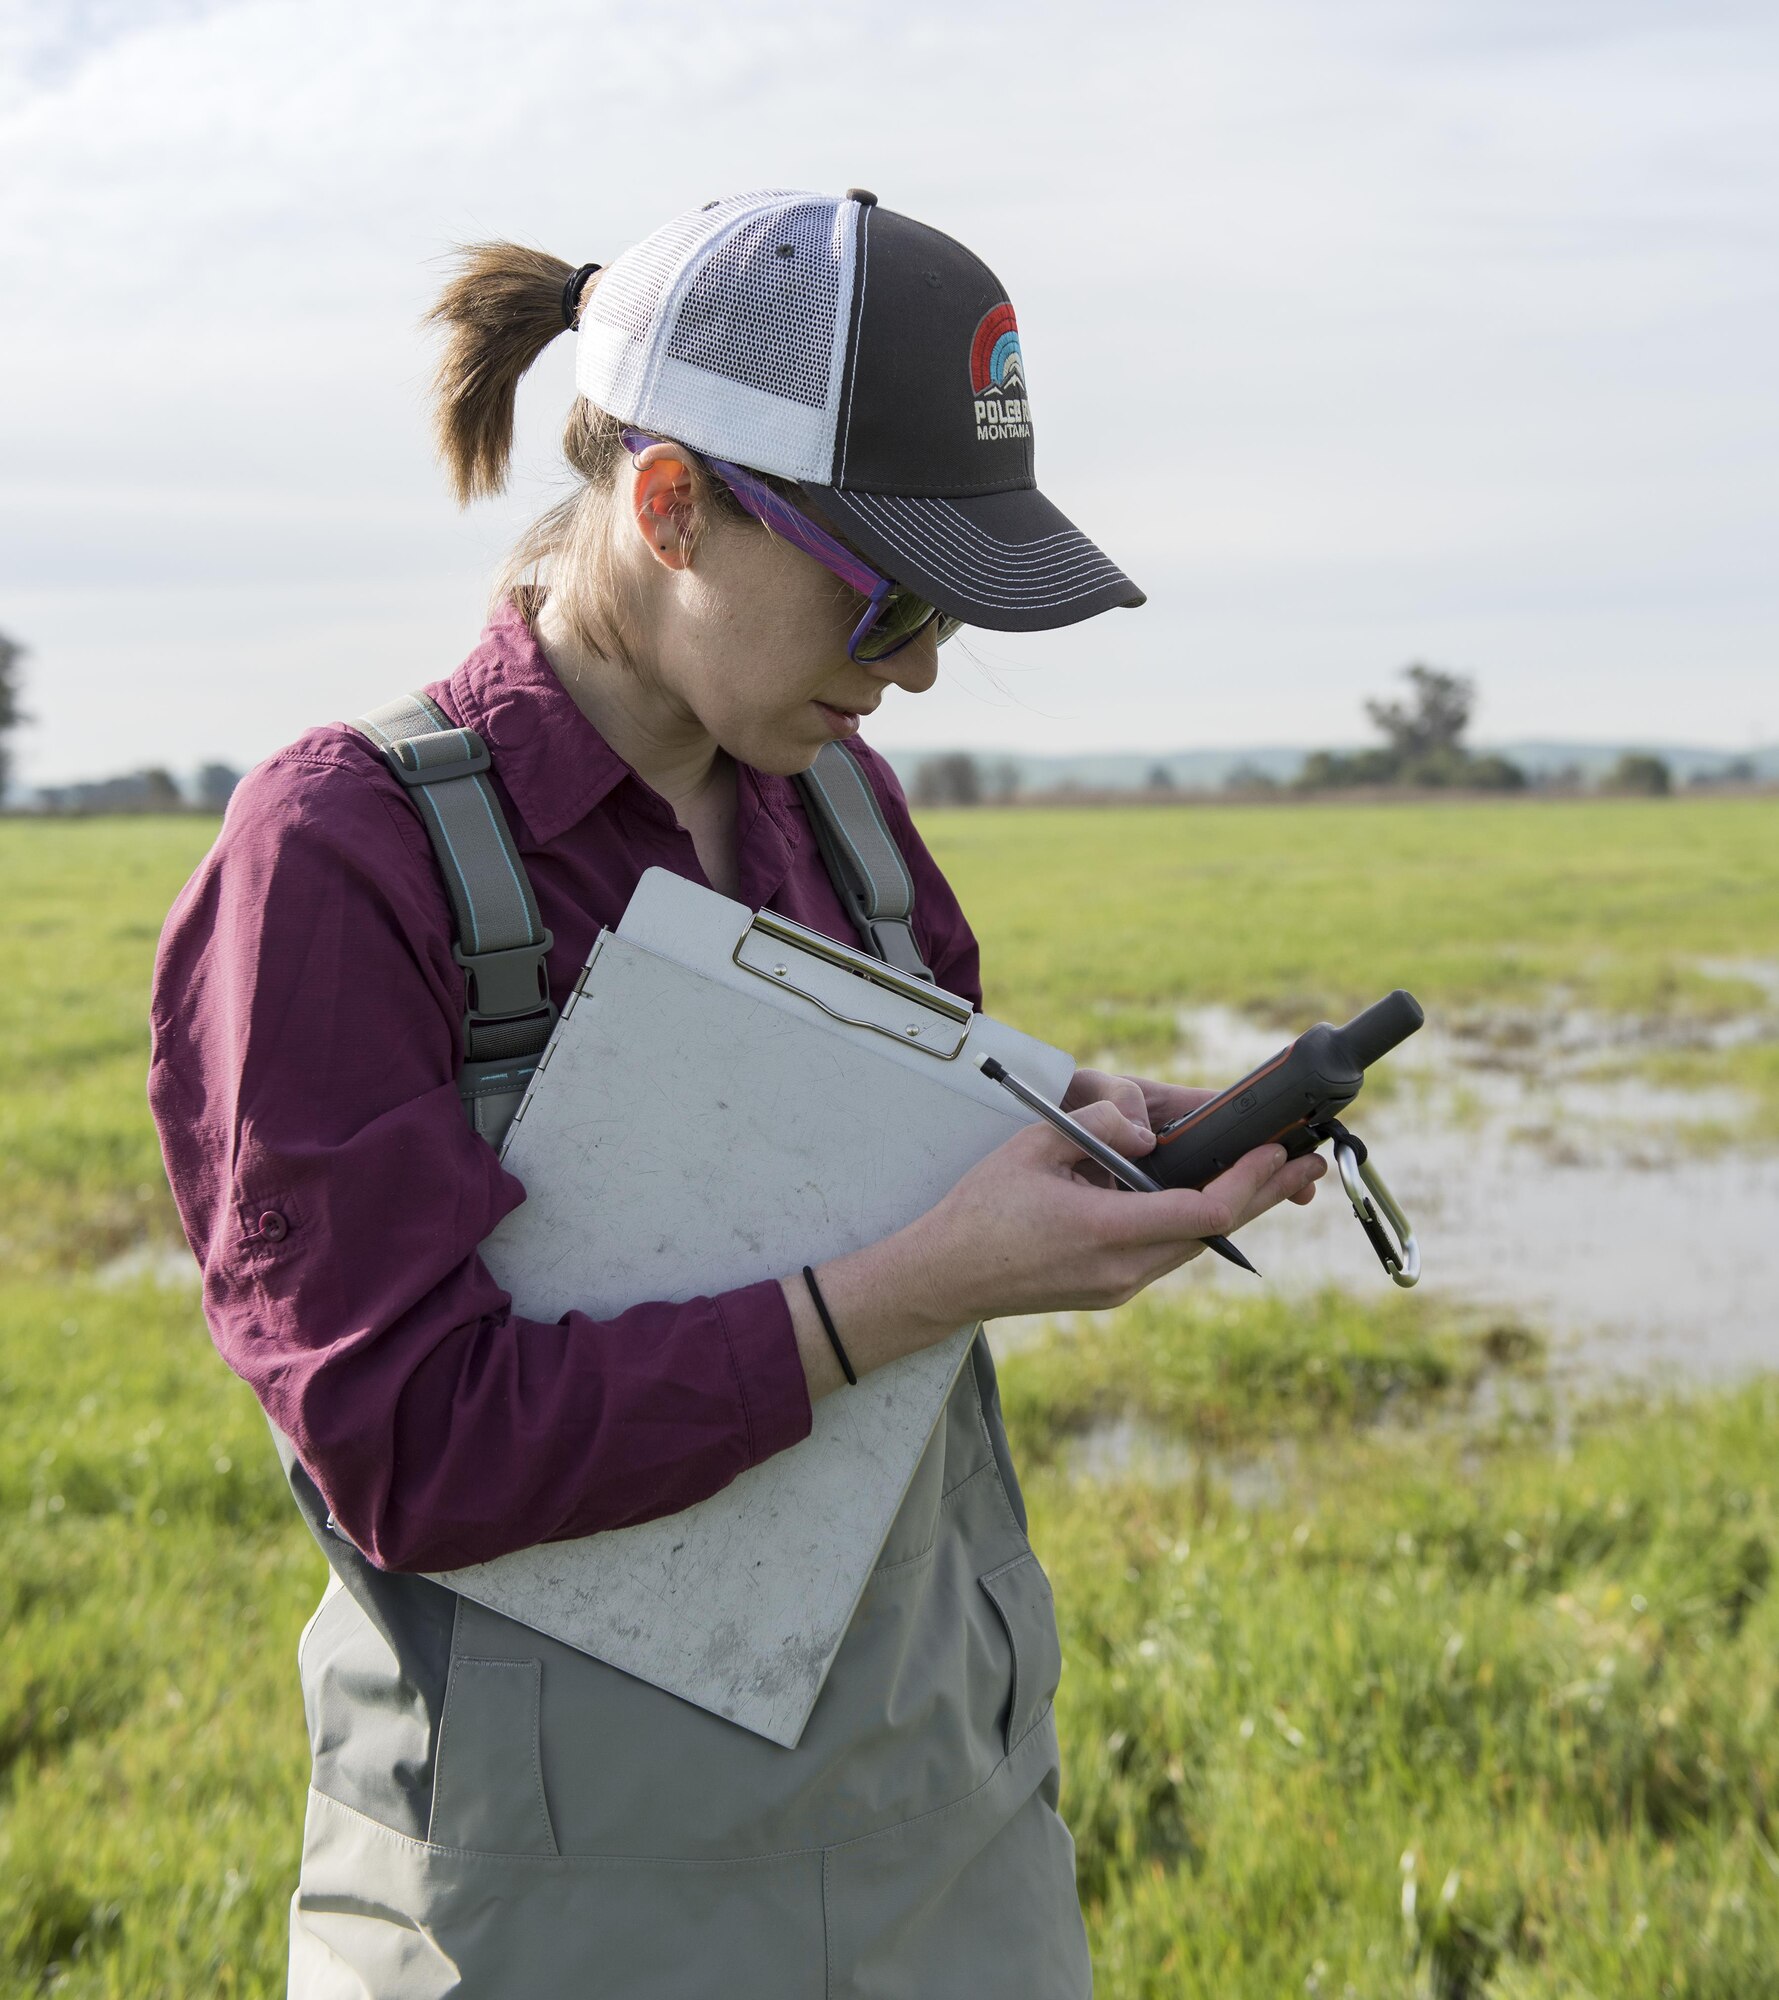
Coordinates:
[1432,723]
[1423,742]
[1328,770]
[151,791]
[1738,771]
[1640,775]
[1004,780]
[954,779]
[1493,774]
[1246,777]
[216,783]
[1562,778]
[1160,779]
[12,656]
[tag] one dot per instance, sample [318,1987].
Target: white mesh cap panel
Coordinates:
[760,307]
[622,316]
[727,329]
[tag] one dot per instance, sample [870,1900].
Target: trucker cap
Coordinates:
[872,360]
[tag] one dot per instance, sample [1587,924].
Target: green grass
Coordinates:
[1097,925]
[1557,1676]
[153,1581]
[1542,1692]
[1544,1676]
[1214,1370]
[80,1173]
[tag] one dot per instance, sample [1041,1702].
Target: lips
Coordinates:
[845,712]
[841,721]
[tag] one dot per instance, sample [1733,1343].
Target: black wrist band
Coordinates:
[821,1306]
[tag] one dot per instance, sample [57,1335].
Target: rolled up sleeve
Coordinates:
[306,1015]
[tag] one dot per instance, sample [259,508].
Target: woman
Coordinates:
[803,449]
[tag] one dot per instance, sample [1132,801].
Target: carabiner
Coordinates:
[1402,1259]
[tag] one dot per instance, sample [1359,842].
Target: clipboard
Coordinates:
[834,1098]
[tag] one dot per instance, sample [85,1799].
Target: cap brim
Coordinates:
[1010,562]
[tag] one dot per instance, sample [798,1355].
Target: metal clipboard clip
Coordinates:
[854,989]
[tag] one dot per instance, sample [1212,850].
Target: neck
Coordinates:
[661,740]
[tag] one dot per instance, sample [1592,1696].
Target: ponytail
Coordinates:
[499,313]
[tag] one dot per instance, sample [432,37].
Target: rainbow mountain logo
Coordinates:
[997,377]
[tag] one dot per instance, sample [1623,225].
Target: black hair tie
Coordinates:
[821,1306]
[572,288]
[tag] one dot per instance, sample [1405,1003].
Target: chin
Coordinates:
[778,756]
[787,762]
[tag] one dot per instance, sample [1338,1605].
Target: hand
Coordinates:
[1026,1231]
[1148,1105]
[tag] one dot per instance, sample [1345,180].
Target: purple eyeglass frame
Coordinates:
[777,513]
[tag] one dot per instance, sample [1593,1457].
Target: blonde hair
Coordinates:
[499,312]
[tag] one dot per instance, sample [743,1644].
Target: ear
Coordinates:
[664,498]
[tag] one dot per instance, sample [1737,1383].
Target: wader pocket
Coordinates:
[488,1783]
[1020,1591]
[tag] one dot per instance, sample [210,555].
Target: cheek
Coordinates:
[775,628]
[789,635]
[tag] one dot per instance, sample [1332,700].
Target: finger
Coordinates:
[1258,1181]
[1168,1101]
[1184,1217]
[1104,1120]
[1287,1184]
[1095,1086]
[1239,1186]
[1174,1216]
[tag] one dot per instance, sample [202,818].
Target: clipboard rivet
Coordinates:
[913,1028]
[781,972]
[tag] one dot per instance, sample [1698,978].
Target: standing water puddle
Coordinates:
[1582,1205]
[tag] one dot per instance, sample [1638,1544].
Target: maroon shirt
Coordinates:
[306,1019]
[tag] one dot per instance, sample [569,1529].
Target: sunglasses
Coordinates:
[893,616]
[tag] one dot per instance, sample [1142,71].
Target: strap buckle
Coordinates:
[504,984]
[893,940]
[429,760]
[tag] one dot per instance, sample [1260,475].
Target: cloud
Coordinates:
[1328,313]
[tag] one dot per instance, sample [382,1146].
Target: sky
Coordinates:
[1360,334]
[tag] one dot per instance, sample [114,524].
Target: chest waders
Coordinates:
[494,1814]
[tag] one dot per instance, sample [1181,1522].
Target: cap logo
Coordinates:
[997,377]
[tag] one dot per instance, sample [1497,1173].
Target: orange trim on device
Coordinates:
[1229,1096]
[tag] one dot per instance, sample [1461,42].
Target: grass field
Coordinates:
[1640,908]
[1452,1704]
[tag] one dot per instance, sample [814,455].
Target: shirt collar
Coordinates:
[554,763]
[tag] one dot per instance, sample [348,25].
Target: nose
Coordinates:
[915,667]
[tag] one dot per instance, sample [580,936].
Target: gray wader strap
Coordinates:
[863,861]
[501,942]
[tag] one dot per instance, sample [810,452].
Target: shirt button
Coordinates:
[273,1227]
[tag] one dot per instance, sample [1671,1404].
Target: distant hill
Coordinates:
[1209,770]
